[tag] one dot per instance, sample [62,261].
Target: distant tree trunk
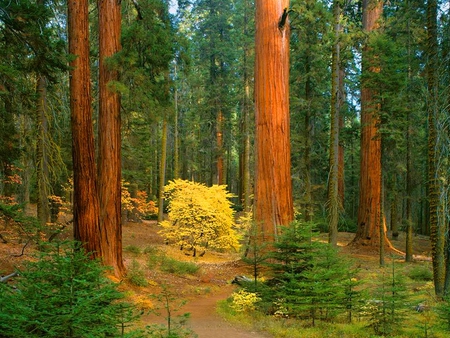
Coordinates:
[370,223]
[245,186]
[333,183]
[341,165]
[408,211]
[176,139]
[42,161]
[437,229]
[85,194]
[109,138]
[162,171]
[273,185]
[219,139]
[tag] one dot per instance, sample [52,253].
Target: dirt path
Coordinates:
[206,323]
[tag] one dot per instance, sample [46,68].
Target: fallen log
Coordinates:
[4,279]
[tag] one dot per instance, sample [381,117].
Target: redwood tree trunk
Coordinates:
[273,186]
[85,200]
[370,221]
[109,138]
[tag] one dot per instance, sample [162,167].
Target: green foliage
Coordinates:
[309,279]
[63,293]
[175,325]
[178,267]
[133,249]
[255,254]
[136,275]
[387,306]
[200,218]
[421,273]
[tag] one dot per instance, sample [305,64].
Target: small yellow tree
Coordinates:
[200,217]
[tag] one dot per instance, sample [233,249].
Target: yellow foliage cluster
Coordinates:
[200,217]
[244,301]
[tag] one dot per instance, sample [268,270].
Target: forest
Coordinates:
[286,134]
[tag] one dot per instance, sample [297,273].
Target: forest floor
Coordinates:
[201,291]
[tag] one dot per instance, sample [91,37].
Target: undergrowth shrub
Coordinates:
[63,293]
[200,217]
[136,275]
[174,266]
[243,301]
[308,278]
[421,273]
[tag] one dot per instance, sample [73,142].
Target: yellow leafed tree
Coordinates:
[200,217]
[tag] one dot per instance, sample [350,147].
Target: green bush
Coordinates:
[132,249]
[171,265]
[421,273]
[136,275]
[309,279]
[63,294]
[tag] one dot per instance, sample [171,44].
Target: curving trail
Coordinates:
[206,323]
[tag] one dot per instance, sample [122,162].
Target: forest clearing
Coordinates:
[207,288]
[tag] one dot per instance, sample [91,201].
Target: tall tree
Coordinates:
[273,186]
[333,183]
[437,226]
[109,137]
[85,200]
[370,223]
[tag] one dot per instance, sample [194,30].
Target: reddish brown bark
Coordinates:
[370,219]
[85,199]
[273,186]
[109,139]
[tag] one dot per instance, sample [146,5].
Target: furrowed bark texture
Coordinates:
[85,201]
[273,186]
[109,139]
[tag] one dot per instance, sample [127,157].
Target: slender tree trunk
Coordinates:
[333,182]
[437,229]
[42,161]
[162,171]
[245,187]
[219,139]
[371,226]
[176,141]
[341,158]
[85,196]
[109,138]
[273,185]
[308,210]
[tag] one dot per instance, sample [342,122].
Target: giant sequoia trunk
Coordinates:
[85,200]
[370,228]
[109,138]
[273,186]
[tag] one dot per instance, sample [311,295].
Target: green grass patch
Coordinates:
[132,249]
[171,265]
[136,275]
[421,273]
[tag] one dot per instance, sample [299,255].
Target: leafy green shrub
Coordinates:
[199,217]
[421,273]
[132,249]
[136,274]
[62,294]
[171,265]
